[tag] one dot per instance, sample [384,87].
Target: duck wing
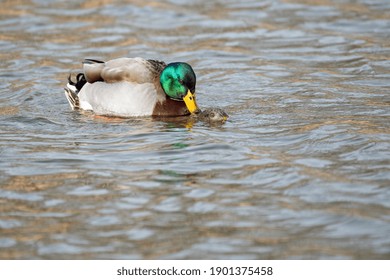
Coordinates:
[134,70]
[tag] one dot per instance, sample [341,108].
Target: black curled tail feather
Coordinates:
[80,81]
[73,88]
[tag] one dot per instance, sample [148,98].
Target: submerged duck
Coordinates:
[133,87]
[212,115]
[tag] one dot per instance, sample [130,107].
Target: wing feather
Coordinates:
[135,70]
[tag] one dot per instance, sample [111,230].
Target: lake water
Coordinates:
[301,170]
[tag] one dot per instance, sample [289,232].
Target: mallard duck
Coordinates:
[212,115]
[132,87]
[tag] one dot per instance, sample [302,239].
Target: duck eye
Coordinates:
[181,81]
[212,115]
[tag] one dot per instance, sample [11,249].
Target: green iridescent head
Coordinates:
[178,81]
[177,78]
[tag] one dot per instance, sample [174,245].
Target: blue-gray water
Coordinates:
[299,171]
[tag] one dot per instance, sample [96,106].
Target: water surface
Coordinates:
[299,171]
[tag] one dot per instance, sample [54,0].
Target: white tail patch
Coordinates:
[71,96]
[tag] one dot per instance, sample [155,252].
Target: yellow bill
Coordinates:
[189,99]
